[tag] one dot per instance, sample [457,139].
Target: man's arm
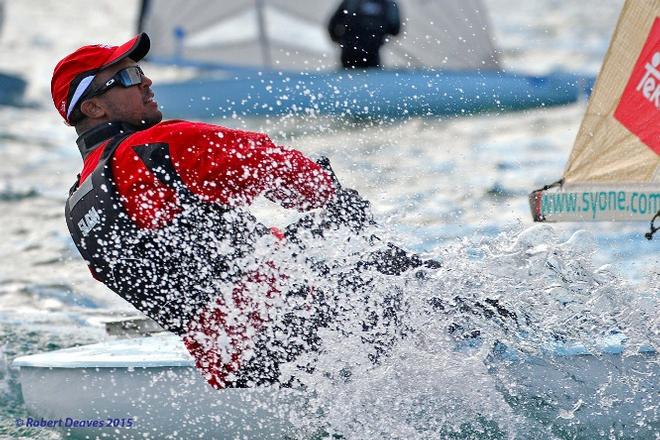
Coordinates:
[233,167]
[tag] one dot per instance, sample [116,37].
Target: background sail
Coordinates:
[444,34]
[292,35]
[608,147]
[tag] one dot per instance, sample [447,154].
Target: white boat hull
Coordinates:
[153,382]
[161,401]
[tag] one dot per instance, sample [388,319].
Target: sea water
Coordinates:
[453,189]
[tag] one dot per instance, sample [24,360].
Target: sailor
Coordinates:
[360,27]
[160,214]
[159,209]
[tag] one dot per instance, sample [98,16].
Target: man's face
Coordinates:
[135,105]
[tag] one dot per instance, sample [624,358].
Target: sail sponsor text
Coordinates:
[593,204]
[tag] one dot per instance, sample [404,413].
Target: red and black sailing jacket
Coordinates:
[159,214]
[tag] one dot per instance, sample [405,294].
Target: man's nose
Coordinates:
[146,81]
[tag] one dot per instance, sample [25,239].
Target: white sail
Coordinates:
[443,34]
[613,172]
[292,35]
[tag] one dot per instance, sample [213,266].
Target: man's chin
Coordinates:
[151,119]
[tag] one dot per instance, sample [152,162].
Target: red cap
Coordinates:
[73,75]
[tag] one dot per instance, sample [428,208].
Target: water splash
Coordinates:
[516,336]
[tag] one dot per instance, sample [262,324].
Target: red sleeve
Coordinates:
[233,167]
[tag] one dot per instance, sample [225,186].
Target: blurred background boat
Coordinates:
[12,87]
[262,58]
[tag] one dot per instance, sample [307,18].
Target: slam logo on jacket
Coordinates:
[89,220]
[639,107]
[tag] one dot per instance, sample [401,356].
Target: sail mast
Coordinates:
[263,37]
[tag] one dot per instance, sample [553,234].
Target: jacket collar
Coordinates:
[92,138]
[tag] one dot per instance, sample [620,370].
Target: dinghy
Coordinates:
[273,57]
[613,172]
[151,383]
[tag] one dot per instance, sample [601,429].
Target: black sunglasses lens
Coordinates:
[130,76]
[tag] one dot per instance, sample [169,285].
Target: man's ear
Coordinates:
[92,109]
